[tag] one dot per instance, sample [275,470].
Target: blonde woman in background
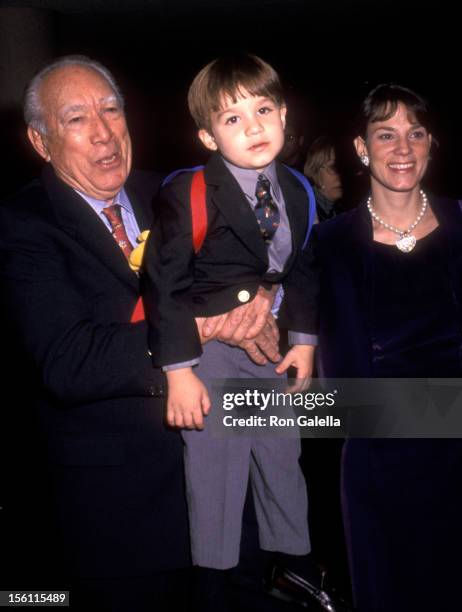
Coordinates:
[320,168]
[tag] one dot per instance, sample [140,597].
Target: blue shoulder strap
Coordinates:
[311,200]
[172,175]
[301,177]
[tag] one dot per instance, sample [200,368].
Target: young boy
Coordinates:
[257,222]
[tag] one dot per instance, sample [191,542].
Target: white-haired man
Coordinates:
[64,243]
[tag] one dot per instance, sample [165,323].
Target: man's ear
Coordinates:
[283,113]
[38,142]
[360,146]
[207,140]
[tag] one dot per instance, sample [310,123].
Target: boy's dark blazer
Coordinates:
[69,292]
[233,260]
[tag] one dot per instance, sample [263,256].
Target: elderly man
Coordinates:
[64,243]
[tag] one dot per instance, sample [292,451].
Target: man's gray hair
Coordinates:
[33,109]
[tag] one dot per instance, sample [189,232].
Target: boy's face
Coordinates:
[249,132]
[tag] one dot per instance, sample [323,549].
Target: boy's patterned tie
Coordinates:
[266,209]
[114,215]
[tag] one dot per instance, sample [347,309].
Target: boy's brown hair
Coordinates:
[229,76]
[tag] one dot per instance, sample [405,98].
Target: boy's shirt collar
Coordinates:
[247,179]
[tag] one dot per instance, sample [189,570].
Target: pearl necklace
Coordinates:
[406,241]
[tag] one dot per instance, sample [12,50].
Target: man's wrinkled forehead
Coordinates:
[68,109]
[67,86]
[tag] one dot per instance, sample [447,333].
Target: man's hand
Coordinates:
[188,399]
[265,346]
[243,322]
[301,357]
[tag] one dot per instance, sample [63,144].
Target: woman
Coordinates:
[321,170]
[391,306]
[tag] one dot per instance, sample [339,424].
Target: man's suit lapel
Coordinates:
[140,199]
[227,196]
[78,220]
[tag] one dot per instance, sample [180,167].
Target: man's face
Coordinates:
[87,139]
[249,132]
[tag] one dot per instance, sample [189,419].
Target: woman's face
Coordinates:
[398,150]
[329,182]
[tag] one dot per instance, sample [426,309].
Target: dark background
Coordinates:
[329,54]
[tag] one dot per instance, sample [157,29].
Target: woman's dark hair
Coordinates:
[381,103]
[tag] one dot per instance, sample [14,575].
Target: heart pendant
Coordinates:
[406,243]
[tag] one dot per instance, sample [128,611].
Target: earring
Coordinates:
[364,159]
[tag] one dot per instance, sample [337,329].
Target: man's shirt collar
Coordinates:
[98,205]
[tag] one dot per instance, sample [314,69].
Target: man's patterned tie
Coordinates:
[114,215]
[266,209]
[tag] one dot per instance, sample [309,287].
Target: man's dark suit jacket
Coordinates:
[118,472]
[233,258]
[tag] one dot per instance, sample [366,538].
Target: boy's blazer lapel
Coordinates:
[227,196]
[81,223]
[296,201]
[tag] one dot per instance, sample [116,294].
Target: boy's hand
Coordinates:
[188,399]
[301,357]
[245,321]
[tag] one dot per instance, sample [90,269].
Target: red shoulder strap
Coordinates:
[138,313]
[199,228]
[198,210]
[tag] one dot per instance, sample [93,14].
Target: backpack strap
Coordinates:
[138,311]
[199,207]
[199,214]
[197,203]
[199,221]
[175,173]
[198,210]
[311,200]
